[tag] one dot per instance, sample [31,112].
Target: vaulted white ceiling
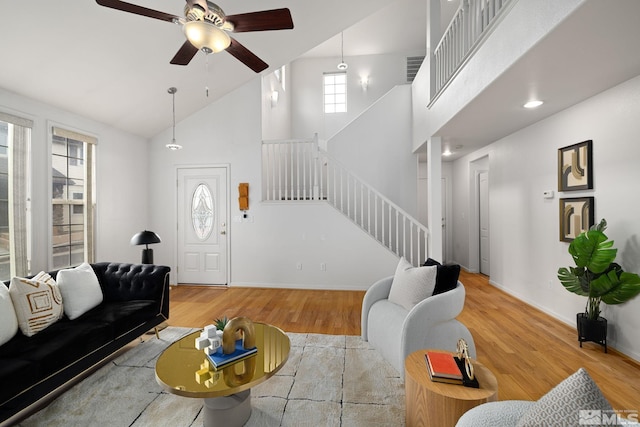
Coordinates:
[113,66]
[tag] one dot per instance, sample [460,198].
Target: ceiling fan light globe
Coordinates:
[206,36]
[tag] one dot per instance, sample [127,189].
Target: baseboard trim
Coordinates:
[312,287]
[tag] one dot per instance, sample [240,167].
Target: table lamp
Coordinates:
[146,238]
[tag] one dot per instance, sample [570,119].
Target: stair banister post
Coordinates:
[316,166]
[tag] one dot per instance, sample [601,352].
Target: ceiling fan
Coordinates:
[206,27]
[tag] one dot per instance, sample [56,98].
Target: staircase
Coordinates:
[300,171]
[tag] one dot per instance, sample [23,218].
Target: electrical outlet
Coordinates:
[323,266]
[299,266]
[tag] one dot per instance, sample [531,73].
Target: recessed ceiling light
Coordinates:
[533,104]
[447,152]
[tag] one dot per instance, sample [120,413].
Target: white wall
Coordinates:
[525,248]
[384,72]
[121,181]
[376,147]
[276,116]
[264,252]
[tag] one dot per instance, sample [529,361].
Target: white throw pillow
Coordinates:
[8,319]
[80,290]
[412,284]
[37,302]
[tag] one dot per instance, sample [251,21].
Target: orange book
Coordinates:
[442,365]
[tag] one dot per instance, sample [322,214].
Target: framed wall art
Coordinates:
[575,167]
[576,216]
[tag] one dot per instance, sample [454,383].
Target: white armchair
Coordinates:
[397,332]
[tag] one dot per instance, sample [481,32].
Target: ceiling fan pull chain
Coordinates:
[206,69]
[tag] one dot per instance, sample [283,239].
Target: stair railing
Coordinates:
[468,28]
[299,170]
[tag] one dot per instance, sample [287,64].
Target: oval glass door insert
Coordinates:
[202,214]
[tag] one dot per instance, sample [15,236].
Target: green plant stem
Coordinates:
[593,308]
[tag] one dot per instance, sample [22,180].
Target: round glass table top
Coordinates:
[186,371]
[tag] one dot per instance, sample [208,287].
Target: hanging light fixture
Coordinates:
[342,65]
[173,145]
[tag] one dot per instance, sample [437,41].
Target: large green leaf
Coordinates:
[591,250]
[616,289]
[571,281]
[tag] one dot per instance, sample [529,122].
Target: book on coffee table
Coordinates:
[220,360]
[442,367]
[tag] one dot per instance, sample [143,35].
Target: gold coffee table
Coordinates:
[183,370]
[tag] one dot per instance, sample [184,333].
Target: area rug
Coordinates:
[329,380]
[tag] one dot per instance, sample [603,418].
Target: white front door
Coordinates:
[202,225]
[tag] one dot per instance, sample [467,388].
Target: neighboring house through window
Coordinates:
[335,92]
[72,195]
[15,141]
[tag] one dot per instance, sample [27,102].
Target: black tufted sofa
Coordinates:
[136,299]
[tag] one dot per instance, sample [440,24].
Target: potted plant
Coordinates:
[597,277]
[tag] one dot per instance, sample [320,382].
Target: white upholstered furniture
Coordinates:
[396,332]
[576,401]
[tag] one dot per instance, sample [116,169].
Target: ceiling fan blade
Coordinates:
[276,19]
[185,54]
[247,57]
[138,10]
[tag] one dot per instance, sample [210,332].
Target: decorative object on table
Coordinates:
[597,277]
[575,167]
[221,322]
[222,346]
[443,368]
[146,238]
[576,216]
[457,369]
[463,356]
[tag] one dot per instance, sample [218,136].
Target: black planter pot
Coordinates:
[592,330]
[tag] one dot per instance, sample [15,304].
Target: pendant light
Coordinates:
[342,65]
[173,145]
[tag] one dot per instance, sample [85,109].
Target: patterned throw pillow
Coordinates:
[411,284]
[37,302]
[567,403]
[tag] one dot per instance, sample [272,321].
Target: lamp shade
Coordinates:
[145,238]
[206,36]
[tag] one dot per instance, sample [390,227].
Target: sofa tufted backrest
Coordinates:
[121,281]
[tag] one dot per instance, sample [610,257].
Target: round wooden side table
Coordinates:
[430,403]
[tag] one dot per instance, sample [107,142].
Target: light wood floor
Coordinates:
[527,350]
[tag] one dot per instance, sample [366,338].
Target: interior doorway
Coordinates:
[483,222]
[203,244]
